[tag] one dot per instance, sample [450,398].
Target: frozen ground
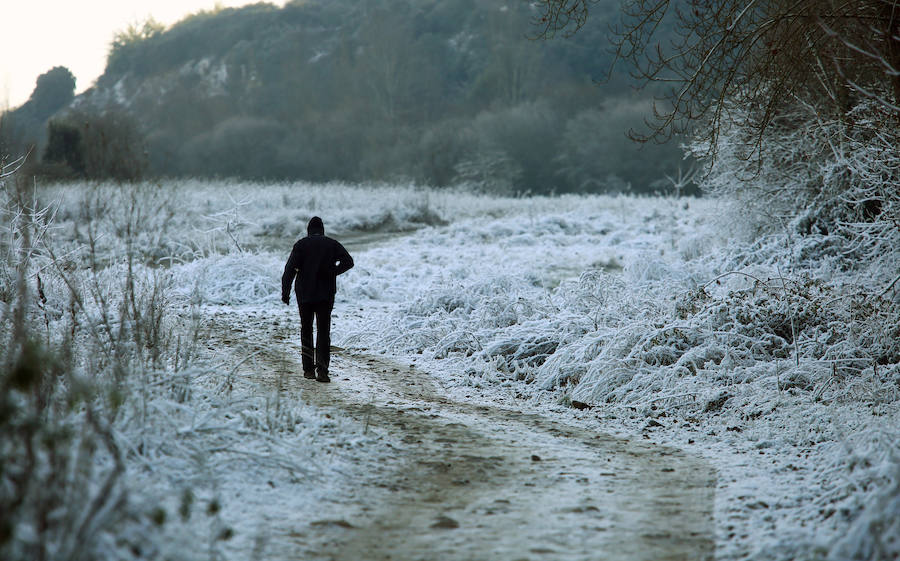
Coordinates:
[638,347]
[467,480]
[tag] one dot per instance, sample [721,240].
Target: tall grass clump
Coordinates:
[121,435]
[63,494]
[90,356]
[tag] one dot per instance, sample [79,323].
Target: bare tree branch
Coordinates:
[761,55]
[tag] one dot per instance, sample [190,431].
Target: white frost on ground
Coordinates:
[595,302]
[618,303]
[596,299]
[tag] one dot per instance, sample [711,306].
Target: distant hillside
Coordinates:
[435,91]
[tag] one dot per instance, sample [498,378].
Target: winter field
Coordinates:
[137,323]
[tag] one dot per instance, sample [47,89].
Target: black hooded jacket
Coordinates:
[316,261]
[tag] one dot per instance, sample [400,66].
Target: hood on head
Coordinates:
[315,226]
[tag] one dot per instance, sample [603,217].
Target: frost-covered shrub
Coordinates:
[815,199]
[65,358]
[770,316]
[230,279]
[828,186]
[491,170]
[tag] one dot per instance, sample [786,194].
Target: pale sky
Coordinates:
[36,35]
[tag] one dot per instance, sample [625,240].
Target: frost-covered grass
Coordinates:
[763,353]
[648,309]
[123,436]
[181,220]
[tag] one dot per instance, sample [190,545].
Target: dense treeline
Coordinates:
[439,92]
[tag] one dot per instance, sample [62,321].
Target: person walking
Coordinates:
[315,262]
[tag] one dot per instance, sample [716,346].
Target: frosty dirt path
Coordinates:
[471,481]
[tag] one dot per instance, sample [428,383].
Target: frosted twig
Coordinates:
[8,170]
[890,286]
[791,312]
[762,282]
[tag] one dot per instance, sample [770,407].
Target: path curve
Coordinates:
[482,482]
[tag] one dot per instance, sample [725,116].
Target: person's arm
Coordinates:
[344,261]
[287,279]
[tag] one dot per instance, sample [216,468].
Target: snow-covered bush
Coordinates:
[826,188]
[817,198]
[62,490]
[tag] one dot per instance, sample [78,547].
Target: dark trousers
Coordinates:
[319,358]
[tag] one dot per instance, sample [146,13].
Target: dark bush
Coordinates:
[97,145]
[65,147]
